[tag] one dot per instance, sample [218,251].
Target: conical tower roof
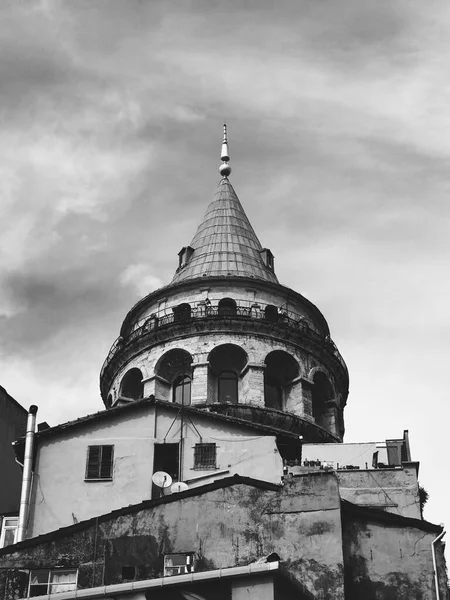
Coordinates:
[225,243]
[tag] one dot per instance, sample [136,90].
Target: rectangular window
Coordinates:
[99,464]
[52,581]
[205,456]
[9,531]
[178,564]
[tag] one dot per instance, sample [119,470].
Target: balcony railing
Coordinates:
[242,312]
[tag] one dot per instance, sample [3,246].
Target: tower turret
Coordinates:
[226,336]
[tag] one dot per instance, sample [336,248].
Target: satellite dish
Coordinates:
[179,486]
[162,479]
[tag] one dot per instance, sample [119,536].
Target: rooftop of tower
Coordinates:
[225,243]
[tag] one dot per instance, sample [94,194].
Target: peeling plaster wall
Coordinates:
[388,562]
[234,525]
[61,496]
[395,490]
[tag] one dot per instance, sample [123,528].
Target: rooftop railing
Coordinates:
[243,311]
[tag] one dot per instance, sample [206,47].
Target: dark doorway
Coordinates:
[227,306]
[166,458]
[182,312]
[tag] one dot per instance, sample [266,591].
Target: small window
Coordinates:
[52,581]
[267,257]
[9,531]
[99,462]
[205,456]
[228,387]
[178,564]
[128,573]
[182,390]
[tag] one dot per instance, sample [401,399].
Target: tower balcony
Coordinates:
[241,317]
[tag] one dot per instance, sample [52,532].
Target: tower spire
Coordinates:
[224,168]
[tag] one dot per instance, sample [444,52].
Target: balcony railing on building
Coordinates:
[241,310]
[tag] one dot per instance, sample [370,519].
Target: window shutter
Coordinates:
[106,462]
[99,462]
[93,462]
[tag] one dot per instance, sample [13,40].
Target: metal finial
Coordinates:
[224,168]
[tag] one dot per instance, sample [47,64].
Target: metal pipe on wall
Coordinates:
[433,551]
[27,474]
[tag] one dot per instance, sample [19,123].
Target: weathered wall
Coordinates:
[387,561]
[13,423]
[61,496]
[247,588]
[395,490]
[228,526]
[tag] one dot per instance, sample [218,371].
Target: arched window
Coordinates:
[132,385]
[174,372]
[226,362]
[281,369]
[227,306]
[228,387]
[273,397]
[182,312]
[271,313]
[182,390]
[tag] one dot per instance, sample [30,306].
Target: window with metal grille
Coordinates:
[99,464]
[205,456]
[52,581]
[178,564]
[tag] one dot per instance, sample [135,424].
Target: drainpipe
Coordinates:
[433,552]
[27,474]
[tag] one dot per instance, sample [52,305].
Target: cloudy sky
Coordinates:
[338,113]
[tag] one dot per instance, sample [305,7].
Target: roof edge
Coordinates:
[149,401]
[132,587]
[388,518]
[145,504]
